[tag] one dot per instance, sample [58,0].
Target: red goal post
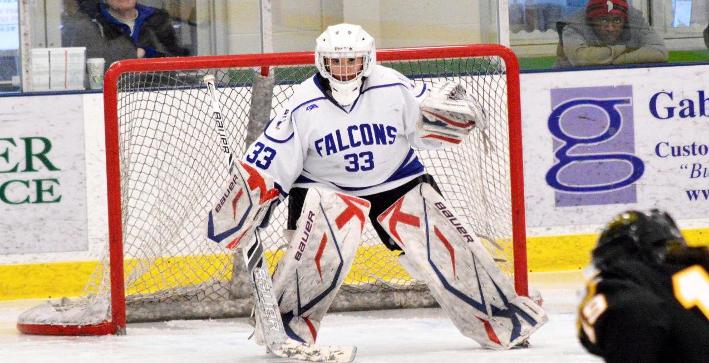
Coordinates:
[154,110]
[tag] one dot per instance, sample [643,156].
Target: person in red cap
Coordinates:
[608,32]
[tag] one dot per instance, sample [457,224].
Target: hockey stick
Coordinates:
[266,305]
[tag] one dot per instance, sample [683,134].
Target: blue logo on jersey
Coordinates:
[282,118]
[310,107]
[594,146]
[354,136]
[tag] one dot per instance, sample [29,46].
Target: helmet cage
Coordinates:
[324,67]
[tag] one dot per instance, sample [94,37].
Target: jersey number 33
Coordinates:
[261,155]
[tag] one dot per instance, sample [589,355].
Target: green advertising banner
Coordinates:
[42,175]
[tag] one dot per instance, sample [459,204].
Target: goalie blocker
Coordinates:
[442,251]
[242,206]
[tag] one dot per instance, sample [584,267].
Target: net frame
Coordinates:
[117,322]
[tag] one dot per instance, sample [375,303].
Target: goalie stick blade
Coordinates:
[314,353]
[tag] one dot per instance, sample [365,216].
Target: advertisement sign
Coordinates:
[593,138]
[42,175]
[600,142]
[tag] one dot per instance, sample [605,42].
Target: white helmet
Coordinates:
[345,41]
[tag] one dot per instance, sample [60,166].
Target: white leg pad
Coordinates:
[318,258]
[462,276]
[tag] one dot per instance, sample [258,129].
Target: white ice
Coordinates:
[412,335]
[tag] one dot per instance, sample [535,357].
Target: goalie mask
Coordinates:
[345,53]
[635,235]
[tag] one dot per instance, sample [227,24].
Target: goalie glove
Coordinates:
[448,114]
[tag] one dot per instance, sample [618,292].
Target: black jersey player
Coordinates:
[647,300]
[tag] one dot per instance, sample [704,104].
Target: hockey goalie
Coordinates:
[343,148]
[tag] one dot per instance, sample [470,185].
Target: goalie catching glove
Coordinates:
[448,114]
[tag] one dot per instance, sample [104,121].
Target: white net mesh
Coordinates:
[172,169]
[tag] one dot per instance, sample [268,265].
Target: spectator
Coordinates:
[706,36]
[122,29]
[608,32]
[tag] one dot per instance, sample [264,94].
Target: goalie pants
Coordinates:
[380,202]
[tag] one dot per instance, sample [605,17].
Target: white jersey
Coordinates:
[361,150]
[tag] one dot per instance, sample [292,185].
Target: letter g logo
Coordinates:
[577,152]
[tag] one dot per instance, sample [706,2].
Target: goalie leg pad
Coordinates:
[462,276]
[242,206]
[317,259]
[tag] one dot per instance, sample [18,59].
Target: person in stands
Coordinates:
[121,29]
[608,32]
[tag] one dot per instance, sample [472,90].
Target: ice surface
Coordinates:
[414,335]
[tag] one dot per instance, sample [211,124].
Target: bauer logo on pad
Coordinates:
[593,146]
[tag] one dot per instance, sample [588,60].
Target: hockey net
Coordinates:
[165,169]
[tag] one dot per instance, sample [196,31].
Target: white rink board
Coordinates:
[662,183]
[643,101]
[90,109]
[42,175]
